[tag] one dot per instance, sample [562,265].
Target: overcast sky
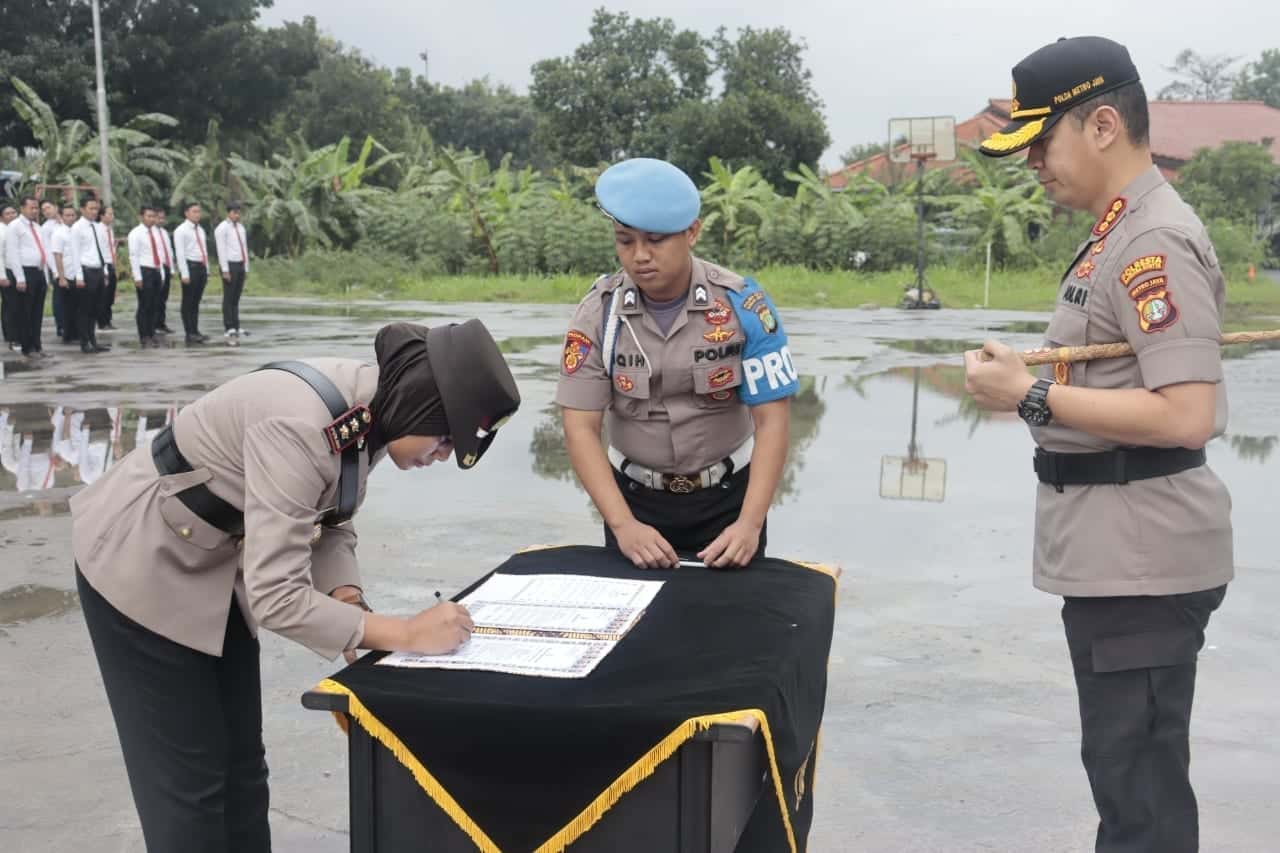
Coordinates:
[870,62]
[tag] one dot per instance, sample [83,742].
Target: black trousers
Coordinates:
[31,310]
[9,310]
[689,522]
[231,292]
[108,299]
[162,297]
[60,314]
[1135,666]
[190,727]
[86,301]
[191,295]
[148,293]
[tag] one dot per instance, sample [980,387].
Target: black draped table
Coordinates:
[699,732]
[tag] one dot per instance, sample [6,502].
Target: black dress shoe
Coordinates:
[194,339]
[165,329]
[86,347]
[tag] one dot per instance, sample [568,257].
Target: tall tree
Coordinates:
[1238,181]
[1260,81]
[598,104]
[489,119]
[1200,78]
[194,60]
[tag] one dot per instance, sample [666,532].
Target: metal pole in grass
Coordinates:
[986,288]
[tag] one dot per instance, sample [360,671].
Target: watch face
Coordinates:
[1036,415]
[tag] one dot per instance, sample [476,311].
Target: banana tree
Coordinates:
[735,205]
[1004,200]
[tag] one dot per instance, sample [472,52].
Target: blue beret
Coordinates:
[649,195]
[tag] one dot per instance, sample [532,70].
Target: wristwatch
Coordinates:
[1034,408]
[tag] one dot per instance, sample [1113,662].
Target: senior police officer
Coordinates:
[1132,527]
[690,363]
[238,517]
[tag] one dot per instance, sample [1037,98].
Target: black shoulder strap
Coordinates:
[348,479]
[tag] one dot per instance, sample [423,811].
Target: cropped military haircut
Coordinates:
[1130,101]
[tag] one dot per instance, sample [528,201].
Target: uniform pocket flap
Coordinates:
[1067,328]
[713,378]
[171,484]
[1171,647]
[188,526]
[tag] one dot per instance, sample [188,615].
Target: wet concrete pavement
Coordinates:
[951,720]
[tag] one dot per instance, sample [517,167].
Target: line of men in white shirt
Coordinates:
[76,257]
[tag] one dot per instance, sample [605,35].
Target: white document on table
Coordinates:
[551,626]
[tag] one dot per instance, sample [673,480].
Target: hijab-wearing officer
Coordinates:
[687,365]
[1133,529]
[238,518]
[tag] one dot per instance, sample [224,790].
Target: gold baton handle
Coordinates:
[1063,355]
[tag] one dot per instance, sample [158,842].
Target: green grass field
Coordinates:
[1251,305]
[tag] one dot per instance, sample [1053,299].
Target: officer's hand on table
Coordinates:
[996,378]
[735,546]
[645,546]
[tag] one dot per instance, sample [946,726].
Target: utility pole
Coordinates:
[102,107]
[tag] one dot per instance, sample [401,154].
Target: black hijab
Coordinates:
[407,401]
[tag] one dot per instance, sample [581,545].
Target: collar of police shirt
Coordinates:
[706,478]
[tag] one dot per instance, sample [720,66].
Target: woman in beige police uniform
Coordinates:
[237,518]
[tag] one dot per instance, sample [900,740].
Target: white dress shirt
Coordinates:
[82,253]
[140,254]
[49,236]
[4,246]
[23,251]
[190,246]
[229,247]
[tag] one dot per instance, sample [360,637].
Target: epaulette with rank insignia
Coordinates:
[351,428]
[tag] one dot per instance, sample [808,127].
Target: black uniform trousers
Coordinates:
[1135,667]
[108,299]
[191,295]
[231,291]
[9,309]
[61,317]
[86,301]
[148,293]
[162,298]
[688,522]
[190,727]
[30,313]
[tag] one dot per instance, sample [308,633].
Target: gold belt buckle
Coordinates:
[680,485]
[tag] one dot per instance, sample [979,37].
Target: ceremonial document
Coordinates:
[553,626]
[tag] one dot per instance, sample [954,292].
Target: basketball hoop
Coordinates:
[919,140]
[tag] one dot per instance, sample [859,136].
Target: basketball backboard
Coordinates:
[931,137]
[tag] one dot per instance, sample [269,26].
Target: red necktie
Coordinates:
[165,243]
[244,256]
[155,253]
[200,242]
[44,260]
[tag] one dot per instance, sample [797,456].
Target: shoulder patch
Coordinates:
[576,348]
[726,278]
[1139,266]
[1156,311]
[351,428]
[1108,220]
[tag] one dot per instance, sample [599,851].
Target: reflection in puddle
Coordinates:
[1024,327]
[933,346]
[45,447]
[28,601]
[1253,448]
[512,346]
[1244,350]
[36,508]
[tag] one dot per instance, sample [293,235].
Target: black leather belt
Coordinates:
[198,499]
[1114,466]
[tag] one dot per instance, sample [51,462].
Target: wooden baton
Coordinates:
[1062,355]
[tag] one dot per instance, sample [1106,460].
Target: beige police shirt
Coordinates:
[672,403]
[1147,275]
[257,442]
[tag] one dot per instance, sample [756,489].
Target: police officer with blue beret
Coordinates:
[687,365]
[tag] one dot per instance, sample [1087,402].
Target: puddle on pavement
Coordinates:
[27,602]
[1233,351]
[517,345]
[933,346]
[1023,327]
